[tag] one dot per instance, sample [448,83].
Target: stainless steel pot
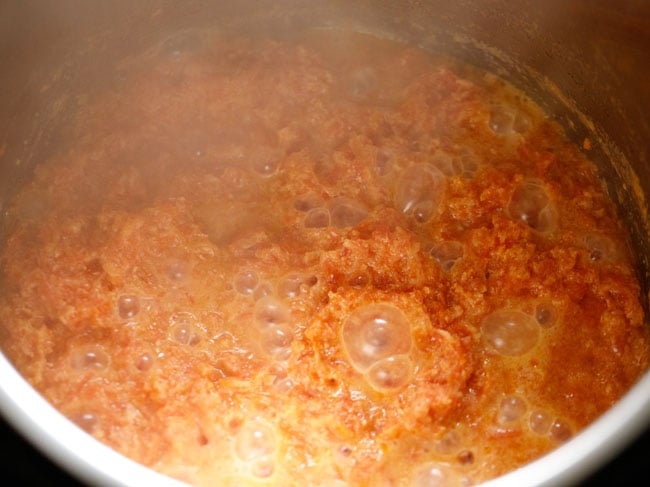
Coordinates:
[584,61]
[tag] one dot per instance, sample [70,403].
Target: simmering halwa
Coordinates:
[339,261]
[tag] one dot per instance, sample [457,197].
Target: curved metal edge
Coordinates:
[64,443]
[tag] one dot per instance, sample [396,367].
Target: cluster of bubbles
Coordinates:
[255,444]
[129,309]
[273,322]
[338,212]
[531,204]
[512,332]
[377,341]
[464,164]
[514,409]
[271,314]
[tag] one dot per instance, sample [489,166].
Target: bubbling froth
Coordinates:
[375,332]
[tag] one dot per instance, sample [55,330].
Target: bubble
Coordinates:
[184,329]
[510,332]
[270,311]
[144,361]
[276,341]
[177,270]
[546,314]
[501,120]
[419,188]
[185,334]
[90,357]
[308,202]
[390,373]
[245,282]
[600,247]
[446,164]
[530,204]
[255,441]
[375,332]
[436,475]
[128,306]
[521,123]
[447,253]
[540,422]
[511,409]
[560,431]
[450,443]
[264,162]
[469,163]
[262,290]
[345,213]
[289,286]
[87,421]
[464,164]
[423,211]
[317,218]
